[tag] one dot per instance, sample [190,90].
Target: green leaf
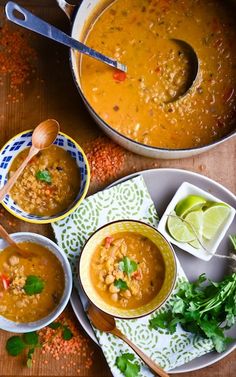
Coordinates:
[33,285]
[178,306]
[233,240]
[161,320]
[15,345]
[55,325]
[121,284]
[31,338]
[66,333]
[30,357]
[128,266]
[43,175]
[127,366]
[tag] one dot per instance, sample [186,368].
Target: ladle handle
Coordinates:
[147,360]
[24,18]
[7,187]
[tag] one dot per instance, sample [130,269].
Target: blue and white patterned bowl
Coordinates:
[24,140]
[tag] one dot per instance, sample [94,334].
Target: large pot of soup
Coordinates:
[145,110]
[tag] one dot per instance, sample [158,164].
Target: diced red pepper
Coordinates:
[119,75]
[108,241]
[5,281]
[137,275]
[228,94]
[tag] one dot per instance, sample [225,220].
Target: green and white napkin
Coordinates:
[128,200]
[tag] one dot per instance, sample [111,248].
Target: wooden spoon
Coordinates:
[10,241]
[43,136]
[105,322]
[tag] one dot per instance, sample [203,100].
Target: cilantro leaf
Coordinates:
[33,285]
[127,366]
[30,353]
[161,320]
[15,345]
[43,175]
[128,266]
[55,325]
[31,338]
[121,284]
[66,333]
[233,241]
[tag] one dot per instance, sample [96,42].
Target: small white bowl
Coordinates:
[19,327]
[188,189]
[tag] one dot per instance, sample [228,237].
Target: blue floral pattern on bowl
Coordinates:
[24,140]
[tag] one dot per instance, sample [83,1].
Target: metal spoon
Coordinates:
[43,136]
[24,18]
[105,322]
[10,241]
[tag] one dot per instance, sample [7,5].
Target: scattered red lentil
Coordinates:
[54,344]
[17,58]
[105,158]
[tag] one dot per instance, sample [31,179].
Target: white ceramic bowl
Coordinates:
[188,189]
[17,327]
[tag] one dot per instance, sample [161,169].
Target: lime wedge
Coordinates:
[213,218]
[190,203]
[195,219]
[178,229]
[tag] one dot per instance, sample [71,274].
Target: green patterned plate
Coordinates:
[162,185]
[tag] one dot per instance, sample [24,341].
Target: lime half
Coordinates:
[178,229]
[188,204]
[195,220]
[213,218]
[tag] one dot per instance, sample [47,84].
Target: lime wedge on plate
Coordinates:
[190,203]
[178,229]
[213,218]
[195,219]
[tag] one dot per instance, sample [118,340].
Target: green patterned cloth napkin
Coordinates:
[128,200]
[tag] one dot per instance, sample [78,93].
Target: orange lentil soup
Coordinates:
[127,270]
[30,288]
[49,183]
[137,33]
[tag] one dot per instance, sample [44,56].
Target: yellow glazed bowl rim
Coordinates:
[164,246]
[66,212]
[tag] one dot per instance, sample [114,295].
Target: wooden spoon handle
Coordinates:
[153,366]
[7,187]
[10,241]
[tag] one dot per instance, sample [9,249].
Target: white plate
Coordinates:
[162,185]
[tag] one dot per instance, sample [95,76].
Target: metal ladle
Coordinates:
[24,18]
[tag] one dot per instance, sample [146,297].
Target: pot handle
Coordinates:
[67,8]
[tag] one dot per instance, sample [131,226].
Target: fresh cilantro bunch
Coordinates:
[17,344]
[127,365]
[205,310]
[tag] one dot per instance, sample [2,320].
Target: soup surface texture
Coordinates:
[49,183]
[138,33]
[127,270]
[30,288]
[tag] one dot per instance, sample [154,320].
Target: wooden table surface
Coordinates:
[51,93]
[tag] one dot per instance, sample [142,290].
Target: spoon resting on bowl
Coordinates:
[43,137]
[3,234]
[106,323]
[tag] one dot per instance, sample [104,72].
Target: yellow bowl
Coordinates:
[153,235]
[24,140]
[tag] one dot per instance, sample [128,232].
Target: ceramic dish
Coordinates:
[188,189]
[146,231]
[162,185]
[6,324]
[23,140]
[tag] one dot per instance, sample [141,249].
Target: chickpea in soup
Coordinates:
[138,33]
[49,183]
[30,288]
[127,270]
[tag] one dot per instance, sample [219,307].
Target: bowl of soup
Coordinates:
[138,110]
[35,288]
[52,185]
[127,269]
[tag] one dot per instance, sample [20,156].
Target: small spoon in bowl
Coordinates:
[43,136]
[106,323]
[10,241]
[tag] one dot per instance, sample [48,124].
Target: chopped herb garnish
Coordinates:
[43,175]
[29,359]
[121,284]
[55,325]
[128,266]
[33,285]
[127,365]
[15,345]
